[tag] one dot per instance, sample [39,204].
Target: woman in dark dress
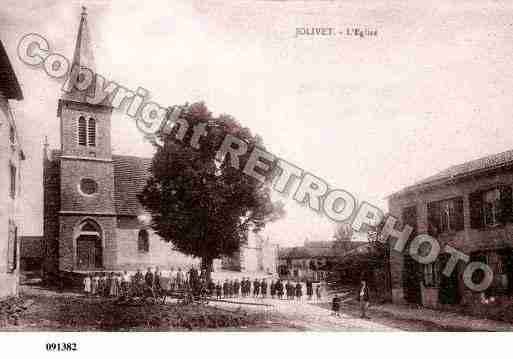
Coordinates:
[299,291]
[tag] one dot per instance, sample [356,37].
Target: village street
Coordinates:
[55,311]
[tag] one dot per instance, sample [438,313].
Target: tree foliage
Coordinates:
[200,204]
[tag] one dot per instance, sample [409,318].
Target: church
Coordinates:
[93,220]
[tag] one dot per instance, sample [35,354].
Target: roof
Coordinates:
[130,176]
[9,85]
[82,58]
[460,171]
[305,252]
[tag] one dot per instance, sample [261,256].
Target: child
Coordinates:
[335,306]
[218,290]
[94,284]
[363,298]
[87,285]
[318,292]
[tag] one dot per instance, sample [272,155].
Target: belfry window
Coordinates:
[82,131]
[86,132]
[91,132]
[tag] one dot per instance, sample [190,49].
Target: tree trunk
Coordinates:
[207,265]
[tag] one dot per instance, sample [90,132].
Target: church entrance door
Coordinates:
[89,252]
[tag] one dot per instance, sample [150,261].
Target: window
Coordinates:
[143,243]
[91,132]
[446,216]
[491,207]
[86,132]
[430,275]
[88,186]
[82,131]
[12,186]
[12,245]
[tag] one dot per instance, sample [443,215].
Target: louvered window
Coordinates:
[12,255]
[91,132]
[82,131]
[86,132]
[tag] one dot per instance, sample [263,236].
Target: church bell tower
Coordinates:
[87,211]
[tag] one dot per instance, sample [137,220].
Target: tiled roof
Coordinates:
[305,252]
[9,85]
[473,167]
[130,175]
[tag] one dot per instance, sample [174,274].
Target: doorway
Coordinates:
[411,268]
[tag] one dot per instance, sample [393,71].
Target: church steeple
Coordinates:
[83,57]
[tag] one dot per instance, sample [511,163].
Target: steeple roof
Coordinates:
[82,58]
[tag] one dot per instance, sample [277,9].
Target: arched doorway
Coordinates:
[89,246]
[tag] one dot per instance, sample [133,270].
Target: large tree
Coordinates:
[203,206]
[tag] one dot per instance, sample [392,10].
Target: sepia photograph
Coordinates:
[255,166]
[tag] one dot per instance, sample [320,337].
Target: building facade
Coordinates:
[468,207]
[93,220]
[313,260]
[258,255]
[11,157]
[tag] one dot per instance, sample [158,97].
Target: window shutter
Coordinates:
[476,209]
[506,204]
[458,214]
[434,218]
[92,132]
[11,247]
[82,131]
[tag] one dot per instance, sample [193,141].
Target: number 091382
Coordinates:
[61,347]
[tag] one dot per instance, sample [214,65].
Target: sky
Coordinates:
[368,115]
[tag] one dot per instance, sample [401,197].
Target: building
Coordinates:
[93,220]
[11,157]
[259,255]
[313,260]
[469,207]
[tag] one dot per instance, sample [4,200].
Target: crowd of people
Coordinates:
[152,282]
[261,288]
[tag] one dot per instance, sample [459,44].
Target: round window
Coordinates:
[88,186]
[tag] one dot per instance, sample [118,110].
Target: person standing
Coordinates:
[157,282]
[180,278]
[225,288]
[299,291]
[125,284]
[256,288]
[172,278]
[363,298]
[94,284]
[273,289]
[279,289]
[148,280]
[263,288]
[87,285]
[335,305]
[113,285]
[318,291]
[290,291]
[309,289]
[138,283]
[218,290]
[236,288]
